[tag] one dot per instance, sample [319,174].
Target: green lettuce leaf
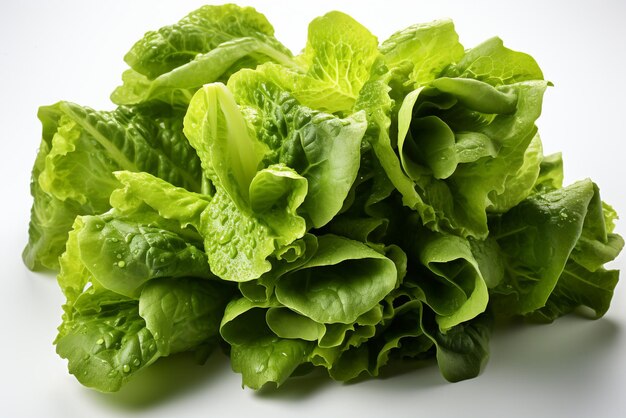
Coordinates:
[454,287]
[427,144]
[541,241]
[342,281]
[427,48]
[123,252]
[177,86]
[322,148]
[333,67]
[81,148]
[237,243]
[493,63]
[463,350]
[201,31]
[181,314]
[105,342]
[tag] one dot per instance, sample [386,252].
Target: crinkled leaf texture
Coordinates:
[80,150]
[349,208]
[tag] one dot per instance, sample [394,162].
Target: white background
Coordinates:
[51,51]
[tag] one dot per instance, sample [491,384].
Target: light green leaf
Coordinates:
[269,359]
[177,86]
[73,174]
[123,252]
[322,148]
[199,32]
[229,152]
[428,47]
[495,64]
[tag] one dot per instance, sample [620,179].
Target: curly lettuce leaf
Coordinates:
[459,193]
[237,242]
[334,66]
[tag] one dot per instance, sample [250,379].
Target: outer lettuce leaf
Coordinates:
[541,241]
[269,359]
[107,342]
[518,186]
[107,338]
[177,86]
[256,352]
[578,287]
[80,150]
[50,219]
[199,32]
[550,173]
[463,350]
[123,252]
[182,314]
[455,288]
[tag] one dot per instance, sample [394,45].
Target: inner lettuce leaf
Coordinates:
[538,239]
[250,199]
[499,120]
[334,66]
[321,147]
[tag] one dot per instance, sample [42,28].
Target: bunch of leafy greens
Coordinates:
[349,207]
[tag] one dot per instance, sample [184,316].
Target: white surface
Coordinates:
[73,51]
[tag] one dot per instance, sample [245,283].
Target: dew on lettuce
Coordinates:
[359,204]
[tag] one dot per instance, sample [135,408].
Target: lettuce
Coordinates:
[356,205]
